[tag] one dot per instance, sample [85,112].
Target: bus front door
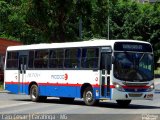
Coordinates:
[22,73]
[105,74]
[105,84]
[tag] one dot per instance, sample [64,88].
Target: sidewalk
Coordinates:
[4,91]
[157,85]
[157,81]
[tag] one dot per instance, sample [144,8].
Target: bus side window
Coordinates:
[84,58]
[52,59]
[41,59]
[56,57]
[31,59]
[78,58]
[72,58]
[67,60]
[90,57]
[75,58]
[12,60]
[60,58]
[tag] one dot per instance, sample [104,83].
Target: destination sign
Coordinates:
[132,46]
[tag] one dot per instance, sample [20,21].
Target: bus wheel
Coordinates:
[123,103]
[34,94]
[88,97]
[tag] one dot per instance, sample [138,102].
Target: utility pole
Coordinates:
[80,24]
[108,19]
[80,28]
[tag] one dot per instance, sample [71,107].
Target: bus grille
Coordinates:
[135,84]
[135,95]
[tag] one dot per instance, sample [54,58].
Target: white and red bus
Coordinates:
[94,70]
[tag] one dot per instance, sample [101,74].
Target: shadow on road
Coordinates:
[112,105]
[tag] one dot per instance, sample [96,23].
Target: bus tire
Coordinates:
[88,97]
[123,103]
[34,94]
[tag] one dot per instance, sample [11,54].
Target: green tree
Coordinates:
[52,18]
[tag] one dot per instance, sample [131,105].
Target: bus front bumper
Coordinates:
[119,95]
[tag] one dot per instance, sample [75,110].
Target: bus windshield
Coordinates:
[131,66]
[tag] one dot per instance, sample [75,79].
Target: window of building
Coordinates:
[1,62]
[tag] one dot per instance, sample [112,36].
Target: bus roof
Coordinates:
[92,42]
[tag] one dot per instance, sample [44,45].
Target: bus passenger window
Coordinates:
[52,57]
[56,58]
[41,59]
[84,57]
[31,59]
[72,58]
[90,58]
[12,60]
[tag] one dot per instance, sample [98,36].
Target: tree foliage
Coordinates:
[35,21]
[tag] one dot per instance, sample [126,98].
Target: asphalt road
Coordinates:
[20,107]
[21,104]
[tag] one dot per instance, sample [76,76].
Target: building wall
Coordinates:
[4,43]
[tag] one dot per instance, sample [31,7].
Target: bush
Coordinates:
[1,86]
[157,73]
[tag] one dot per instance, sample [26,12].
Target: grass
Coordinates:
[157,71]
[1,86]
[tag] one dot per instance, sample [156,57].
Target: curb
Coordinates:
[4,91]
[157,91]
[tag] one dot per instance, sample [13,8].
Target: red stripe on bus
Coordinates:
[77,85]
[53,84]
[112,86]
[58,84]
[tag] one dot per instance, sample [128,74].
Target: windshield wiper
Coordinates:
[141,57]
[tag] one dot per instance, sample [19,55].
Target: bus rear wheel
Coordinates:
[34,94]
[123,103]
[88,97]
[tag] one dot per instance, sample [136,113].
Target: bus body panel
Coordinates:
[118,95]
[60,83]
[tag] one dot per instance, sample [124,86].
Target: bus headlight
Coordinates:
[118,87]
[150,88]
